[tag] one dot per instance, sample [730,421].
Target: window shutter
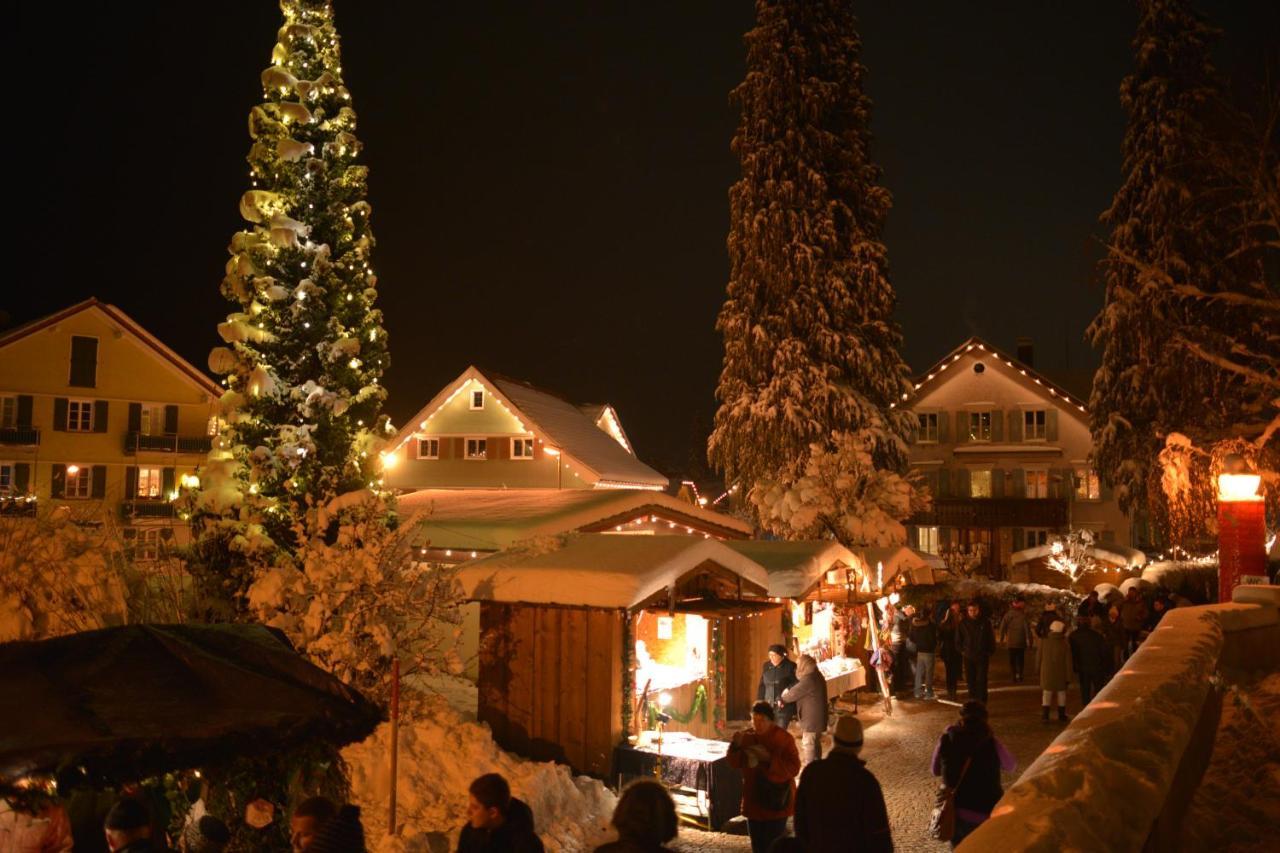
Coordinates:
[170,420]
[962,427]
[931,482]
[1019,539]
[1051,425]
[57,480]
[24,410]
[166,482]
[997,426]
[944,428]
[1019,486]
[944,483]
[459,447]
[99,415]
[99,484]
[1015,425]
[131,482]
[960,483]
[60,413]
[84,362]
[997,483]
[21,477]
[135,417]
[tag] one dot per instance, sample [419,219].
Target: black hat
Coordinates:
[778,648]
[341,833]
[128,813]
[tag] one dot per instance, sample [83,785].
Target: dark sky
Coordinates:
[549,181]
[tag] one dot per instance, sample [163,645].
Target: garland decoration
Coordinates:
[718,677]
[699,706]
[628,674]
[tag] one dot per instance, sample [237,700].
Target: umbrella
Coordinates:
[1129,583]
[133,701]
[1107,591]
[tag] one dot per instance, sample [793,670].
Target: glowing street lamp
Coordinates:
[1242,531]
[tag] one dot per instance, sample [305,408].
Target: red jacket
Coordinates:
[783,765]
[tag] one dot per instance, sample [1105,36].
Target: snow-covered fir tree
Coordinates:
[812,355]
[305,347]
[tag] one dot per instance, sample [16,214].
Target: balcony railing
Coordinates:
[147,508]
[17,505]
[995,512]
[23,435]
[136,441]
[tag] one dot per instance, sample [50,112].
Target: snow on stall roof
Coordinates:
[795,566]
[1109,551]
[575,432]
[493,519]
[597,569]
[899,558]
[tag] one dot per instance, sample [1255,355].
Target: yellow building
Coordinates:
[96,412]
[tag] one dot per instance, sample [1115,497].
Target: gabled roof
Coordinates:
[795,566]
[127,324]
[975,343]
[561,424]
[599,570]
[493,519]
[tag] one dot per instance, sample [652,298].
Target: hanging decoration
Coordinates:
[698,708]
[628,673]
[718,721]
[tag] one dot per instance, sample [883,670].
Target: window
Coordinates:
[1037,484]
[428,448]
[6,478]
[84,362]
[979,426]
[979,484]
[1035,537]
[928,427]
[8,412]
[927,539]
[477,400]
[152,422]
[522,448]
[477,448]
[147,545]
[149,483]
[1033,421]
[1088,487]
[212,428]
[79,415]
[79,481]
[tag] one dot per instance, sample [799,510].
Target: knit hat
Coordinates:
[1057,627]
[206,835]
[778,648]
[848,732]
[341,833]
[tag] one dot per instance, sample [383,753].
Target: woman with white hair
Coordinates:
[809,694]
[1055,670]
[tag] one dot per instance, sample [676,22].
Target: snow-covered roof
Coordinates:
[898,559]
[1120,555]
[1008,361]
[598,570]
[493,519]
[794,567]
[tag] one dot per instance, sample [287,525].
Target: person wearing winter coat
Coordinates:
[1015,632]
[1091,607]
[496,821]
[809,695]
[1047,618]
[949,647]
[900,645]
[1133,613]
[1113,630]
[1091,657]
[977,642]
[839,804]
[767,756]
[779,673]
[645,819]
[923,635]
[970,749]
[1055,670]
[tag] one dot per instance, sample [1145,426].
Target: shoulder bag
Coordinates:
[942,822]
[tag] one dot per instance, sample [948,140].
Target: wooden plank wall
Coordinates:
[550,684]
[747,648]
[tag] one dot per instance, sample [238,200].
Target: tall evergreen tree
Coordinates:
[812,361]
[305,344]
[1165,227]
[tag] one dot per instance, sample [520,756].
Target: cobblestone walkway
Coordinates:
[898,749]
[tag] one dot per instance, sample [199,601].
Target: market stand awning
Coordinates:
[915,566]
[798,568]
[133,701]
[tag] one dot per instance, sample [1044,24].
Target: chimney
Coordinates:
[1026,353]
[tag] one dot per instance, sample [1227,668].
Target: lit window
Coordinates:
[928,427]
[1088,487]
[148,482]
[979,426]
[428,448]
[1037,484]
[6,478]
[146,547]
[477,399]
[522,448]
[79,481]
[79,415]
[1033,421]
[152,422]
[979,484]
[927,539]
[477,448]
[8,412]
[211,429]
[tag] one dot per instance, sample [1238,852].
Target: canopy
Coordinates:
[133,701]
[917,566]
[795,566]
[1107,591]
[1130,583]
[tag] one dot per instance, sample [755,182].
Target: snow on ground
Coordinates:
[440,753]
[1236,807]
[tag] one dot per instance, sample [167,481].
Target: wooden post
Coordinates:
[395,742]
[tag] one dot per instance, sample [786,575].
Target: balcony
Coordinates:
[12,506]
[22,436]
[136,441]
[995,512]
[146,508]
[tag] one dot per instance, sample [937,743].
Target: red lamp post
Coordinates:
[1242,531]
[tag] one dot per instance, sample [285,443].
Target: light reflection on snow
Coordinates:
[1103,705]
[1054,749]
[1129,672]
[1001,811]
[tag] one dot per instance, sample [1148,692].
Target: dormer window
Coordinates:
[477,400]
[979,426]
[1033,424]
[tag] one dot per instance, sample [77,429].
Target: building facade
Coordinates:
[1005,453]
[96,413]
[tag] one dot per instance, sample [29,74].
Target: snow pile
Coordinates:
[440,755]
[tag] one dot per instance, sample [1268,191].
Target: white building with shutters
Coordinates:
[1005,452]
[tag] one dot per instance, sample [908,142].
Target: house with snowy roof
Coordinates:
[1005,451]
[488,431]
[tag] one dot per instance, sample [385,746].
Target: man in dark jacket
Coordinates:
[809,695]
[839,805]
[924,637]
[948,647]
[779,674]
[496,821]
[1090,656]
[1091,607]
[977,642]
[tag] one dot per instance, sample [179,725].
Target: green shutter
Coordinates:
[1018,488]
[962,427]
[944,483]
[997,425]
[997,483]
[944,428]
[24,410]
[131,482]
[960,483]
[1019,539]
[99,484]
[135,417]
[1051,424]
[60,414]
[166,483]
[1015,425]
[57,480]
[170,420]
[84,362]
[21,477]
[99,415]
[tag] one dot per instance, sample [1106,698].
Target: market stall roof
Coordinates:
[493,519]
[917,566]
[1108,552]
[794,567]
[600,570]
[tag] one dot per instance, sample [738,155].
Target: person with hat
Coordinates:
[128,828]
[1055,670]
[839,804]
[767,756]
[779,674]
[969,758]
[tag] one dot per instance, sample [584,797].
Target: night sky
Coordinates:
[549,184]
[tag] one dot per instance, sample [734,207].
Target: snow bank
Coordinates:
[439,756]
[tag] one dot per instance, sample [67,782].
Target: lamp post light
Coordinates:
[1241,531]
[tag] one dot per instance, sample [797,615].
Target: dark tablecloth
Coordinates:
[722,783]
